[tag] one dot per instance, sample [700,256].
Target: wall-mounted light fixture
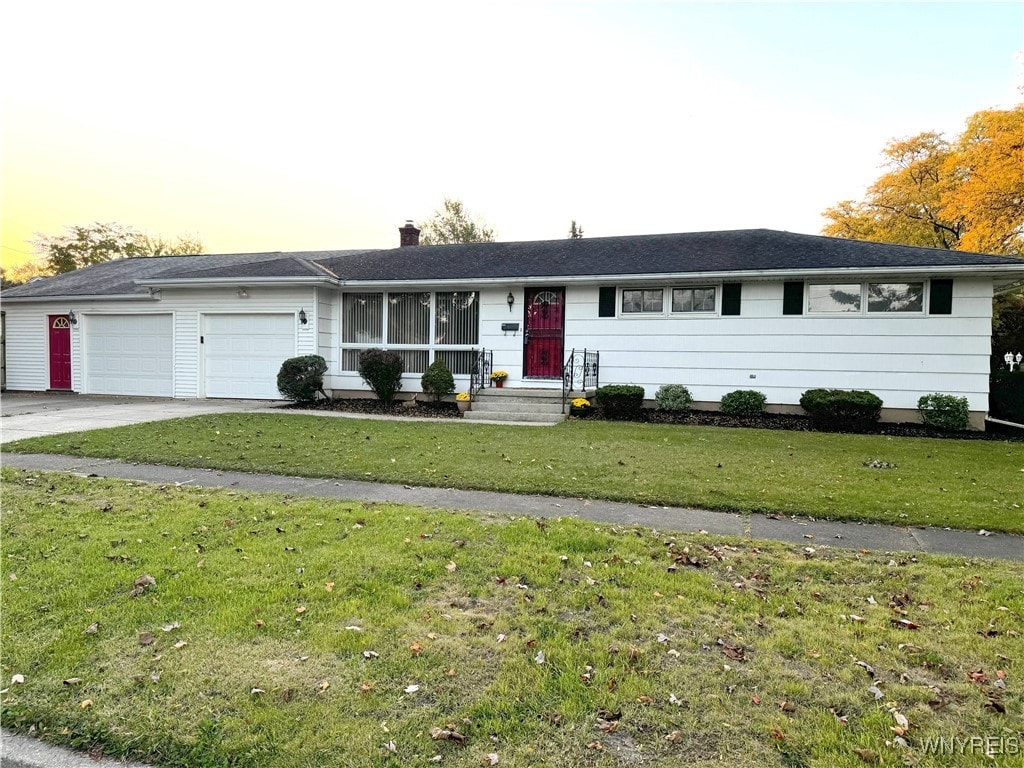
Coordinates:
[1008,358]
[511,301]
[72,317]
[302,317]
[243,294]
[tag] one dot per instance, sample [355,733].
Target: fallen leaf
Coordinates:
[256,691]
[647,701]
[259,623]
[876,692]
[145,581]
[146,638]
[451,567]
[180,644]
[411,688]
[901,720]
[904,624]
[324,685]
[92,629]
[17,679]
[866,755]
[539,658]
[491,758]
[447,734]
[416,649]
[370,655]
[674,736]
[73,681]
[301,609]
[354,628]
[86,704]
[171,627]
[389,746]
[329,586]
[867,667]
[787,706]
[451,672]
[369,685]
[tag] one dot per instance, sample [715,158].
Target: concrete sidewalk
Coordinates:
[803,531]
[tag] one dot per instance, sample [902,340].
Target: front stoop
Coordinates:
[517,404]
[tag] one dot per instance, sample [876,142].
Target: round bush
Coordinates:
[382,370]
[850,410]
[947,412]
[302,378]
[438,380]
[743,402]
[673,397]
[620,401]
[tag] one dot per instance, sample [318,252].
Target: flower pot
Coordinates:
[499,383]
[463,405]
[579,412]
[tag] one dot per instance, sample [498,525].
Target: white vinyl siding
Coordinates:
[897,355]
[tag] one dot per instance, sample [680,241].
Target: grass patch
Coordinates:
[743,653]
[913,481]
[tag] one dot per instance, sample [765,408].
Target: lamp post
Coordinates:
[1011,360]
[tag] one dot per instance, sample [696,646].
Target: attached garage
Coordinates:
[242,354]
[128,354]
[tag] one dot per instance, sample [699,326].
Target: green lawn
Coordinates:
[284,632]
[965,484]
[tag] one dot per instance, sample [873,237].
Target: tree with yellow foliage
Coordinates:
[967,195]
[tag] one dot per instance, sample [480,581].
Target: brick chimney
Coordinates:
[410,235]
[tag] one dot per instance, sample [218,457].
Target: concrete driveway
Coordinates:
[24,414]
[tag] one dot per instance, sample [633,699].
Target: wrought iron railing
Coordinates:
[580,373]
[480,373]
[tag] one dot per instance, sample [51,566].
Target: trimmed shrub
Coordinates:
[1006,396]
[839,409]
[438,380]
[302,378]
[382,370]
[743,402]
[673,397]
[944,411]
[620,401]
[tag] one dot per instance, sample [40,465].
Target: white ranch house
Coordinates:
[716,311]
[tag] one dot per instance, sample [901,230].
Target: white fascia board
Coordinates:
[84,297]
[219,282]
[974,270]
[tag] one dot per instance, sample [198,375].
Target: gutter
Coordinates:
[66,297]
[203,282]
[648,277]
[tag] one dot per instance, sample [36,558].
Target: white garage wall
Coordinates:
[27,340]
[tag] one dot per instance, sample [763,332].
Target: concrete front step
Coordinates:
[541,418]
[539,406]
[517,404]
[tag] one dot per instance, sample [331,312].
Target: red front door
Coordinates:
[542,345]
[60,352]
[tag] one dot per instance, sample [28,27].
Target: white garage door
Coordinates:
[129,355]
[243,353]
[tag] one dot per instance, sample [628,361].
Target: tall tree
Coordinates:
[22,273]
[575,233]
[452,223]
[82,246]
[986,191]
[905,204]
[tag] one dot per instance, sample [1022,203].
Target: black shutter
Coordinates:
[793,298]
[941,302]
[731,294]
[606,302]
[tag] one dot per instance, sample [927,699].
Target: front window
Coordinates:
[407,318]
[834,297]
[693,299]
[895,297]
[642,300]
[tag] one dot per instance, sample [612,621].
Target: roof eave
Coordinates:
[216,282]
[67,297]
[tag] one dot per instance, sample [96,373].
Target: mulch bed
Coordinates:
[782,421]
[375,407]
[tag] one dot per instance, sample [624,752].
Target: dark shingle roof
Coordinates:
[750,250]
[730,251]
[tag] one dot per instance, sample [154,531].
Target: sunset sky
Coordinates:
[316,125]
